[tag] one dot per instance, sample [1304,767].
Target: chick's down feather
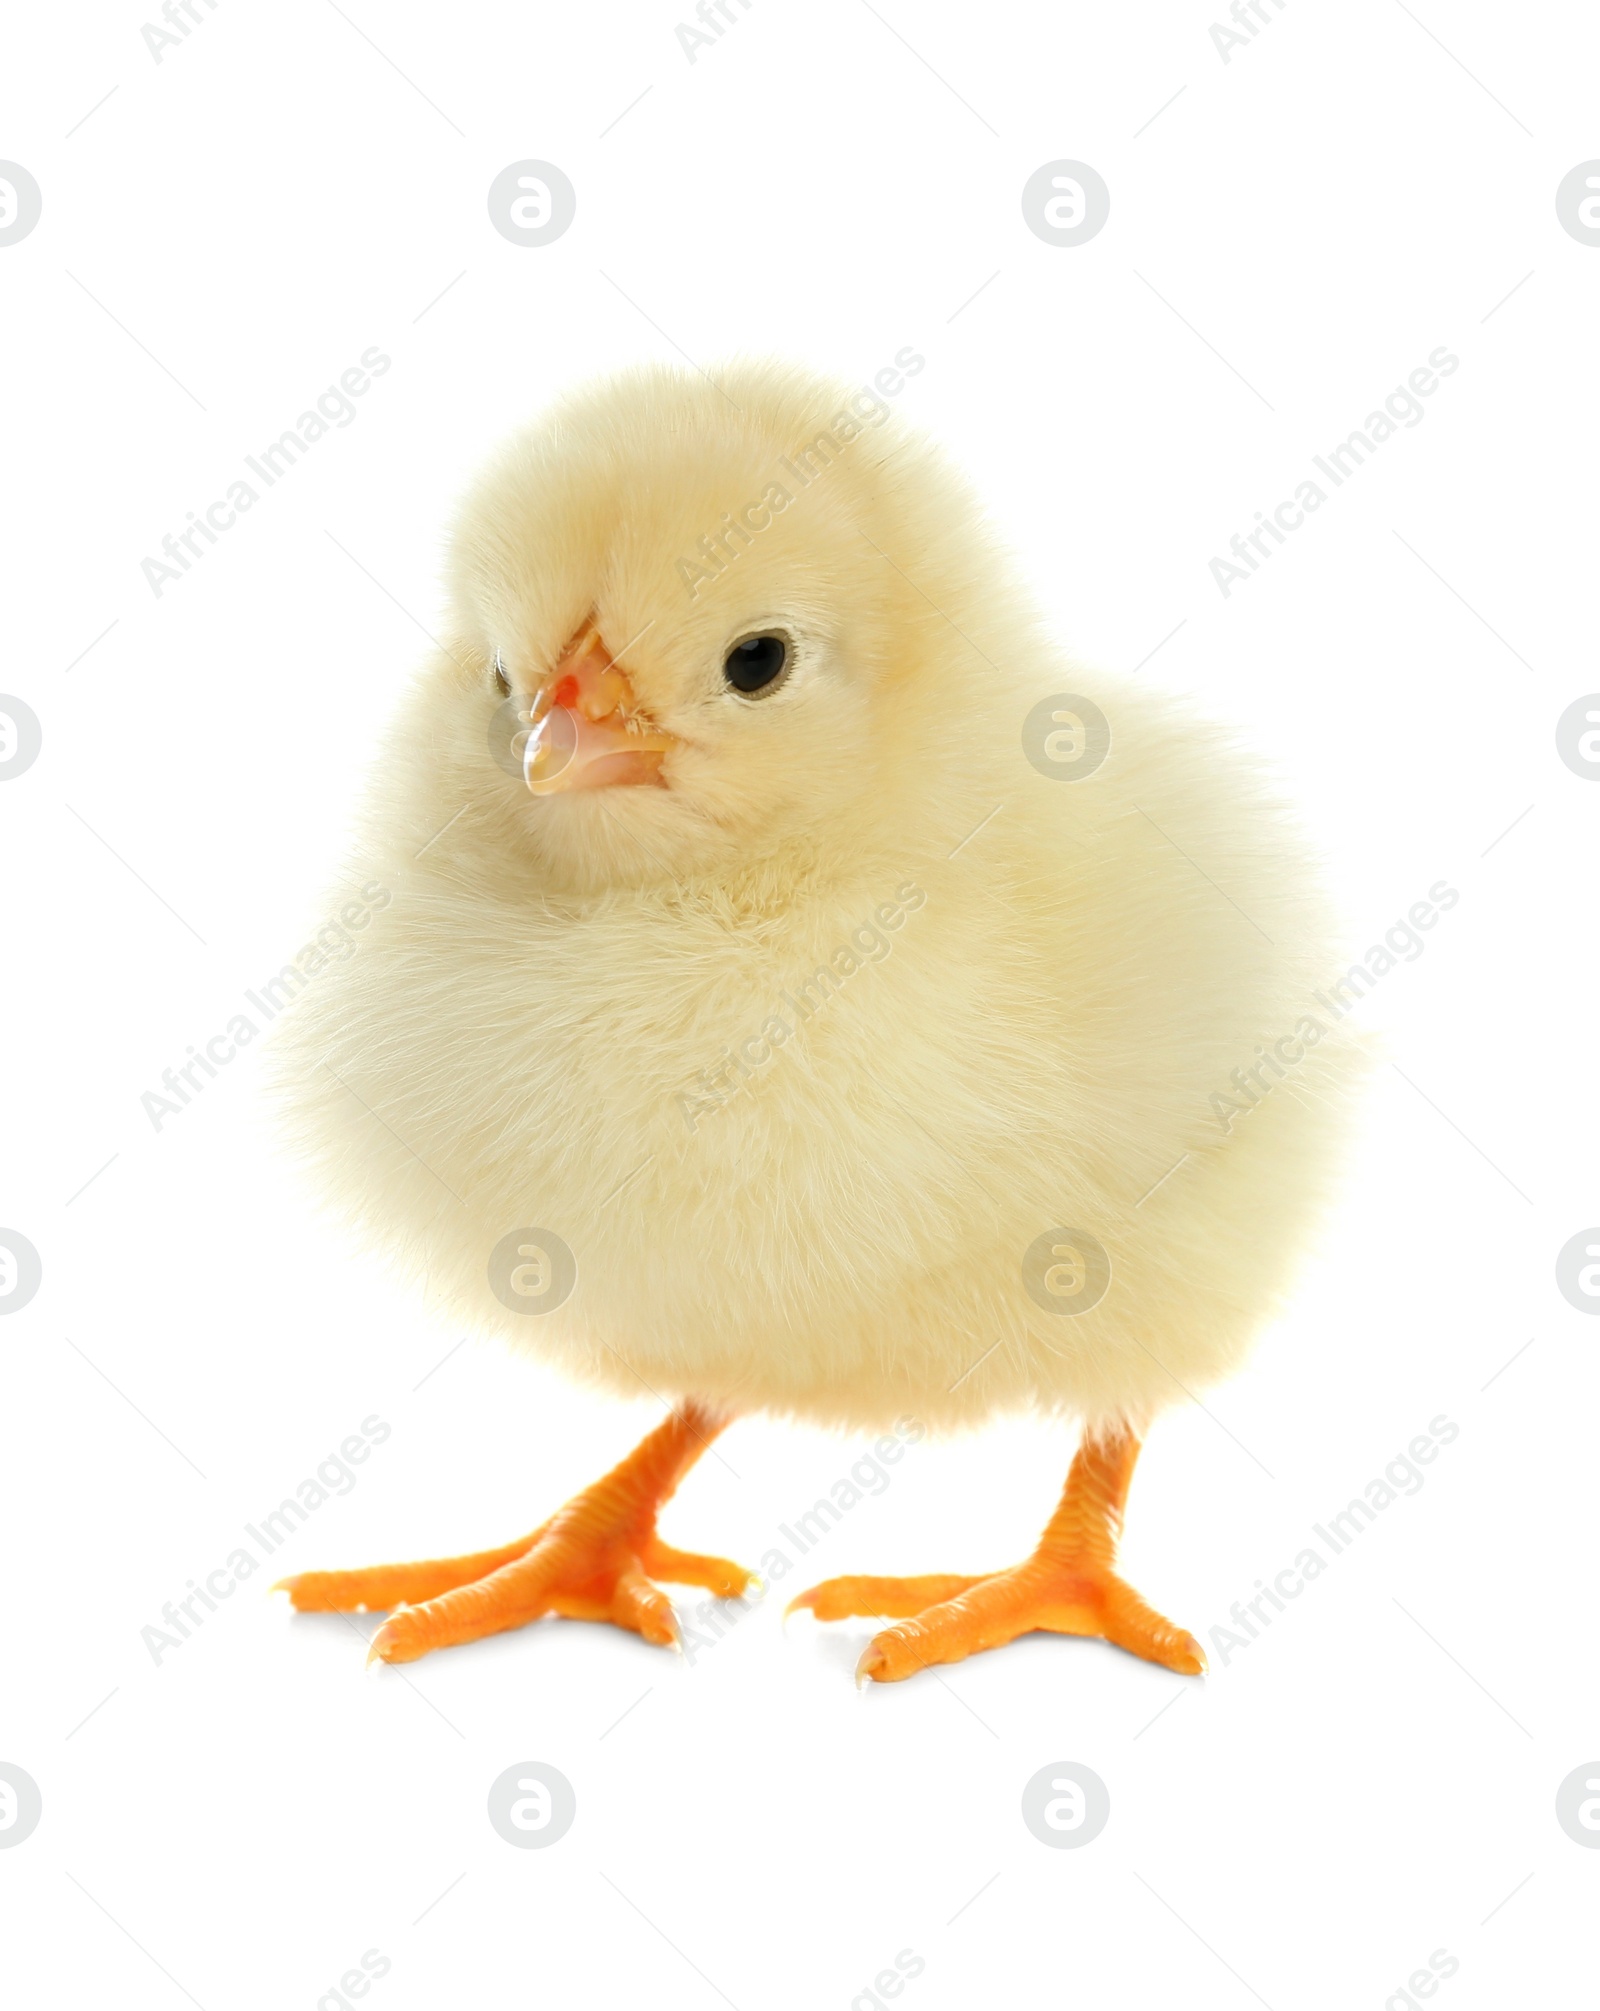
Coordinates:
[837,1046]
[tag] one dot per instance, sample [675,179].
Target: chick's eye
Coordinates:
[756,664]
[502,683]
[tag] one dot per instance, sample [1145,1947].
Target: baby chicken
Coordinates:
[872,1013]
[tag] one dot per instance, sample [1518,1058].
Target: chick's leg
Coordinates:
[1068,1586]
[595,1559]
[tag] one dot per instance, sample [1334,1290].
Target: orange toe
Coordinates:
[1037,1597]
[382,1586]
[684,1567]
[1068,1586]
[1129,1622]
[516,1593]
[594,1560]
[896,1598]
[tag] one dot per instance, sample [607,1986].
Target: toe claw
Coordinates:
[873,1662]
[667,1633]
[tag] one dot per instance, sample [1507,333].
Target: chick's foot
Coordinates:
[1068,1586]
[595,1559]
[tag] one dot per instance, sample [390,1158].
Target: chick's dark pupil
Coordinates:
[754,664]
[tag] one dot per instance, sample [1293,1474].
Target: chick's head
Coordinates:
[683,620]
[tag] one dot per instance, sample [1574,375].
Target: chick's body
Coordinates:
[801,1051]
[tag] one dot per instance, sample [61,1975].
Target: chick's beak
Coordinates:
[586,730]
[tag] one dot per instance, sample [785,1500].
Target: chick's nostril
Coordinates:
[609,692]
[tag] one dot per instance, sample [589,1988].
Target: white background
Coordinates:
[1374,1778]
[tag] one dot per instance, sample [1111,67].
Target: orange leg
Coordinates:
[1068,1586]
[593,1560]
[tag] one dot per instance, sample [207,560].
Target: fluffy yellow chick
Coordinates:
[790,1002]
